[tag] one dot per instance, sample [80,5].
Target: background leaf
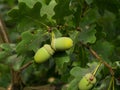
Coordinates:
[63,7]
[61,61]
[88,36]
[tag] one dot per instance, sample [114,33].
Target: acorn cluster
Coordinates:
[57,44]
[62,44]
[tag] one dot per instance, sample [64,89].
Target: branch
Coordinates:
[3,32]
[99,58]
[26,65]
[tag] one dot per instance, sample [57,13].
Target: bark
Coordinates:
[17,83]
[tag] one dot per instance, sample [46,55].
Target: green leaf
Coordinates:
[23,46]
[104,49]
[31,42]
[8,50]
[29,3]
[76,8]
[15,61]
[3,55]
[3,68]
[57,33]
[47,6]
[90,17]
[73,85]
[103,85]
[32,13]
[4,72]
[108,25]
[26,17]
[111,5]
[61,10]
[89,1]
[7,47]
[48,1]
[76,72]
[74,36]
[117,69]
[88,36]
[61,59]
[48,9]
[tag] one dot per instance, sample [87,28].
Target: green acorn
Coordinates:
[87,82]
[43,54]
[62,43]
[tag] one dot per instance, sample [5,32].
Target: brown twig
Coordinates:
[3,32]
[17,79]
[99,58]
[26,65]
[49,29]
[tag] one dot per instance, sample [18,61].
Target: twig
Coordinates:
[99,58]
[3,32]
[26,65]
[96,69]
[16,80]
[113,83]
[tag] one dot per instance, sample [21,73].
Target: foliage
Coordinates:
[91,22]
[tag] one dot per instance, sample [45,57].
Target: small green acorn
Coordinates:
[87,82]
[62,43]
[43,54]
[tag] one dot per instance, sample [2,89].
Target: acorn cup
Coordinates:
[87,82]
[62,43]
[43,54]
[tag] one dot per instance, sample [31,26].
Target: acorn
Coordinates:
[43,54]
[62,43]
[87,82]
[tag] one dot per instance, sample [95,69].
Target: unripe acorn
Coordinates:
[87,82]
[62,43]
[43,54]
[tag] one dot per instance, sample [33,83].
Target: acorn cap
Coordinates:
[49,49]
[91,78]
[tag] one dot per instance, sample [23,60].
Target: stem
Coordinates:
[3,32]
[26,65]
[99,58]
[16,80]
[17,83]
[111,82]
[96,69]
[52,35]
